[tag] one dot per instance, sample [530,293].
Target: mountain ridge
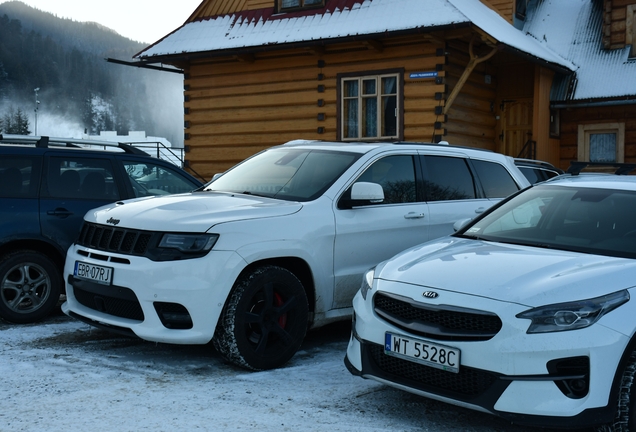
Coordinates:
[66,61]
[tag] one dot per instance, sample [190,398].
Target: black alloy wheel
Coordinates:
[264,320]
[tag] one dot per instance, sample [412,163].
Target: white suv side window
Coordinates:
[448,179]
[495,179]
[396,175]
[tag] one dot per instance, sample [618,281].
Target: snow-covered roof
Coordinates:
[367,17]
[578,38]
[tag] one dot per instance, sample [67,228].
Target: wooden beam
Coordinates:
[374,45]
[430,37]
[474,61]
[318,50]
[246,58]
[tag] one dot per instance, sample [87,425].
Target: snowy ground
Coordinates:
[62,375]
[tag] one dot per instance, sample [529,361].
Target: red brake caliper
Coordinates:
[278,301]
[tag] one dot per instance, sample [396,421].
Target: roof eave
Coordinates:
[189,56]
[538,60]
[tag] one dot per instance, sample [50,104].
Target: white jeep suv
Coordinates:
[273,246]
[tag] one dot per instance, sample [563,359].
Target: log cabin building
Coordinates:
[547,79]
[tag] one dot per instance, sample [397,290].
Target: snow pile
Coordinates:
[63,375]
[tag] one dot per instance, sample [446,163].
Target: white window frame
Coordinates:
[585,130]
[378,95]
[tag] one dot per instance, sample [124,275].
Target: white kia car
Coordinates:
[525,312]
[275,245]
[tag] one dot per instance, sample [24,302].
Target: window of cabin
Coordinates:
[284,5]
[602,142]
[370,107]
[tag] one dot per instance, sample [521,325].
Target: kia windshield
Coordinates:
[582,219]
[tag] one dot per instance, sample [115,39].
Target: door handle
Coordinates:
[413,215]
[480,210]
[60,212]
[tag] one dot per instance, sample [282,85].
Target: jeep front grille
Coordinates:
[112,239]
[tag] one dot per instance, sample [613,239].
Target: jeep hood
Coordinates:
[191,212]
[520,274]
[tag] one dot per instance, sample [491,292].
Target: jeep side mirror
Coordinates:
[364,191]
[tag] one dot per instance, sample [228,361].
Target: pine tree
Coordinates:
[15,122]
[21,123]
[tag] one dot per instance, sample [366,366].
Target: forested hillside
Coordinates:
[65,60]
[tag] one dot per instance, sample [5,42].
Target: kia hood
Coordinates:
[521,274]
[191,212]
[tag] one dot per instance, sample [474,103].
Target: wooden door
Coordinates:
[516,126]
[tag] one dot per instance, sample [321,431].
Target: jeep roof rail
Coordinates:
[442,144]
[621,168]
[46,141]
[534,163]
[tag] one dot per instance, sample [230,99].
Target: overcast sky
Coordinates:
[140,20]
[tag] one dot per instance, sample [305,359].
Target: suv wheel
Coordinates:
[625,419]
[264,320]
[30,286]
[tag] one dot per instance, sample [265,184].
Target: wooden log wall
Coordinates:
[573,117]
[505,8]
[618,23]
[212,8]
[235,107]
[471,117]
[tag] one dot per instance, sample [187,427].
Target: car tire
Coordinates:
[30,286]
[625,419]
[264,320]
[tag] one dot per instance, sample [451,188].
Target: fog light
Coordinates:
[173,315]
[571,375]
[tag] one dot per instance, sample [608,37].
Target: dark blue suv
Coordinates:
[46,187]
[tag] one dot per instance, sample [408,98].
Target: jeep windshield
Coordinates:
[288,174]
[581,219]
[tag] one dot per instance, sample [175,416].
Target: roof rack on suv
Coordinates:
[46,141]
[534,162]
[440,144]
[621,168]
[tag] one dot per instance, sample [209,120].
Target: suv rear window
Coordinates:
[495,179]
[18,176]
[87,178]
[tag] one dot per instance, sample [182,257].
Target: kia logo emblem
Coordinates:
[113,221]
[430,294]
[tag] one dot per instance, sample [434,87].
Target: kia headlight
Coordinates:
[367,282]
[188,243]
[572,315]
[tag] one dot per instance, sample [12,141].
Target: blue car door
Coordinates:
[71,186]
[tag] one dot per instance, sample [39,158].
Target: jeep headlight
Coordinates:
[367,282]
[188,243]
[572,315]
